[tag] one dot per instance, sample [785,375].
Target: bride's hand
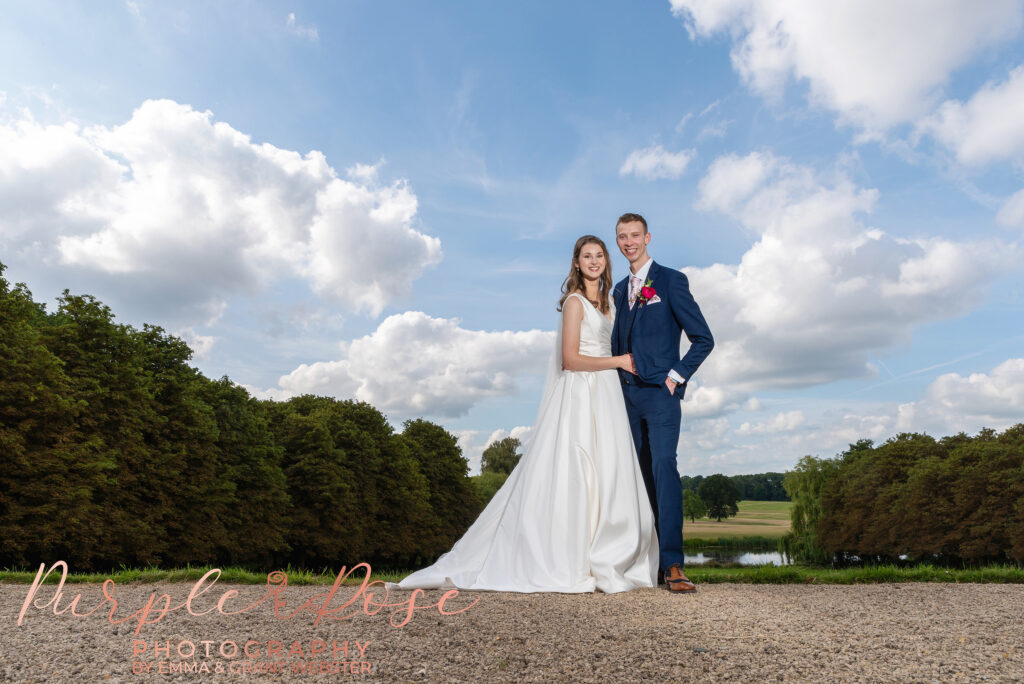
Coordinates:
[626,363]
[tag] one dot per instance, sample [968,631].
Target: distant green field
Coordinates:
[755,519]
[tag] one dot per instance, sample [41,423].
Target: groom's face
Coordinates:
[632,240]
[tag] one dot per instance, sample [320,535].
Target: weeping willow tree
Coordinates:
[804,485]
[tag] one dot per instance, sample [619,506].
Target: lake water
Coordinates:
[712,556]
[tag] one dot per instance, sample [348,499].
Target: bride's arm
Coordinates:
[572,317]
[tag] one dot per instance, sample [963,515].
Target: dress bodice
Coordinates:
[596,329]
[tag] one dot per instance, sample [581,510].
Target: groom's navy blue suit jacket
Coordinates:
[652,331]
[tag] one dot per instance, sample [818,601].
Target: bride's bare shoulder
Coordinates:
[574,300]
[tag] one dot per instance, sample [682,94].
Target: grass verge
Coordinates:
[761,574]
[799,574]
[296,576]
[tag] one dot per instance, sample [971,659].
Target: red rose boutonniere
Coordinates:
[646,293]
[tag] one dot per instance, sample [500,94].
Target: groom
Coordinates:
[653,308]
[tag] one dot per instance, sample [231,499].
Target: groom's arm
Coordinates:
[691,320]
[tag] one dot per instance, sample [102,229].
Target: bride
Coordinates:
[573,515]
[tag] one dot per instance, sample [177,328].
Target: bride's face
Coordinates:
[592,261]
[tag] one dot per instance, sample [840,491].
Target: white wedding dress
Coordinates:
[573,516]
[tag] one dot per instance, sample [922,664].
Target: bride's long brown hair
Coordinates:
[574,281]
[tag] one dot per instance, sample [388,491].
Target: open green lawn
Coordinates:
[755,519]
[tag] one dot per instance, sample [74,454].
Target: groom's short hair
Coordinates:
[629,218]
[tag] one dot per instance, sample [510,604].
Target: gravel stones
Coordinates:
[913,632]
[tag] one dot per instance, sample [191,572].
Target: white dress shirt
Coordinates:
[642,275]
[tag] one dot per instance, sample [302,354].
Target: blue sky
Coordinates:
[378,199]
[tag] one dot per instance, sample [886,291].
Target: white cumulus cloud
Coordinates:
[655,162]
[1011,214]
[520,432]
[712,401]
[201,345]
[819,291]
[952,403]
[416,365]
[875,62]
[986,128]
[996,398]
[185,212]
[782,422]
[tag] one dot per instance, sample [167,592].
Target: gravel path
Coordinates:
[725,632]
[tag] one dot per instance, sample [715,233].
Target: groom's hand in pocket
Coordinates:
[671,384]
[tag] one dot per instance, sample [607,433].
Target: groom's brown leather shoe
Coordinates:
[676,580]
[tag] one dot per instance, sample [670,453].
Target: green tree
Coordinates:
[325,520]
[487,485]
[453,498]
[50,469]
[1014,437]
[804,485]
[104,364]
[200,491]
[693,506]
[118,439]
[721,496]
[961,501]
[115,451]
[501,456]
[356,490]
[861,505]
[691,481]
[760,486]
[958,499]
[257,522]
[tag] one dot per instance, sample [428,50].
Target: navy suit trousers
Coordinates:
[654,417]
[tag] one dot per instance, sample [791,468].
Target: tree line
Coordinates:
[114,450]
[956,500]
[757,487]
